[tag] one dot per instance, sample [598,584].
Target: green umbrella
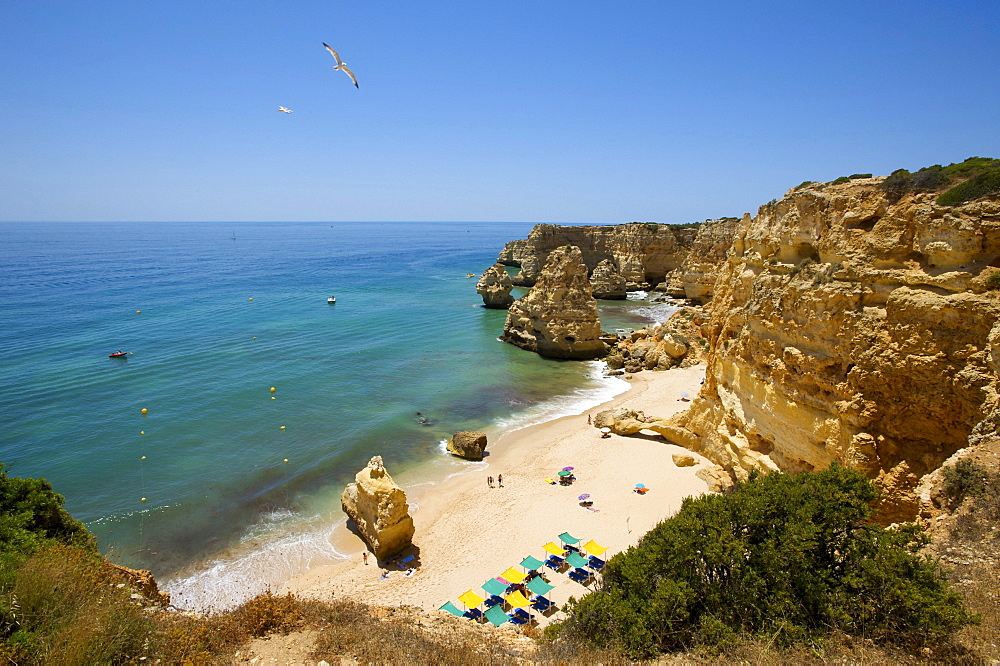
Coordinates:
[565,472]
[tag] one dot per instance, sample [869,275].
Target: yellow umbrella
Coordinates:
[594,548]
[554,549]
[512,575]
[517,600]
[471,599]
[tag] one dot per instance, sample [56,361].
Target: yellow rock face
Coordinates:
[845,328]
[379,510]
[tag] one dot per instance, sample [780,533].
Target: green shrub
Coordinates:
[784,557]
[993,280]
[803,184]
[31,515]
[964,478]
[855,176]
[841,180]
[977,176]
[982,185]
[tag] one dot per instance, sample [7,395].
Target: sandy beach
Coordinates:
[468,532]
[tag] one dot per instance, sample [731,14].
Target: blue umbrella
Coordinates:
[584,496]
[640,485]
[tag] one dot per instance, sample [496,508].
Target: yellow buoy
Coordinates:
[144,410]
[143,499]
[281,428]
[144,457]
[286,459]
[142,432]
[273,389]
[255,337]
[272,397]
[251,299]
[138,311]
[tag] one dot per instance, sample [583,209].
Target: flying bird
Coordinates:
[284,110]
[341,65]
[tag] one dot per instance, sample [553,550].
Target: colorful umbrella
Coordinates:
[568,469]
[564,473]
[584,496]
[640,485]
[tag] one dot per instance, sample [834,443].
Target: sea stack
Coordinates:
[494,286]
[558,317]
[379,510]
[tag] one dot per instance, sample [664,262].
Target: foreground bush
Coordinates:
[31,516]
[783,558]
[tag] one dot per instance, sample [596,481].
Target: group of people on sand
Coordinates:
[489,481]
[396,560]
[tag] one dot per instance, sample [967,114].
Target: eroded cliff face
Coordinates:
[695,278]
[845,328]
[642,253]
[557,318]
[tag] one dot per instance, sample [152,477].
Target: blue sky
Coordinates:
[550,111]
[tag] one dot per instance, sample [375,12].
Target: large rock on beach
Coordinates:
[494,286]
[468,444]
[379,510]
[558,317]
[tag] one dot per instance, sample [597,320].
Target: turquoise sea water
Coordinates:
[211,323]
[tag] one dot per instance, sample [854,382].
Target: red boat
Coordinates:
[118,354]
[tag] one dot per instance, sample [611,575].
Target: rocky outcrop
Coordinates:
[557,318]
[144,584]
[644,253]
[468,444]
[676,342]
[849,328]
[607,282]
[494,286]
[378,508]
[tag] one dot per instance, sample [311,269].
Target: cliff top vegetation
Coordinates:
[961,182]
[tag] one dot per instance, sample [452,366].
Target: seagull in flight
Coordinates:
[341,65]
[284,110]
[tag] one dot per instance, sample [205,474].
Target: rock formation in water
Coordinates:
[644,253]
[557,318]
[607,282]
[468,444]
[494,286]
[851,326]
[378,508]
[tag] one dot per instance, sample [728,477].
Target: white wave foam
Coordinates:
[636,295]
[575,403]
[268,557]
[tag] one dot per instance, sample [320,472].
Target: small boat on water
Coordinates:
[331,300]
[118,354]
[471,275]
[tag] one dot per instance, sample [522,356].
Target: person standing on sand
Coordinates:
[364,556]
[500,480]
[489,481]
[588,419]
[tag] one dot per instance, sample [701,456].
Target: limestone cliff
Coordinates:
[643,253]
[379,510]
[854,328]
[494,286]
[695,278]
[557,318]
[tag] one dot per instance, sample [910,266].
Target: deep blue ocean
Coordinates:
[212,315]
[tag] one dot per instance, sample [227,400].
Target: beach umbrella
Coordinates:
[584,496]
[568,469]
[605,429]
[564,473]
[470,599]
[640,485]
[684,394]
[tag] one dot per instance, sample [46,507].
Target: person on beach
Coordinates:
[384,574]
[364,556]
[489,481]
[500,480]
[588,419]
